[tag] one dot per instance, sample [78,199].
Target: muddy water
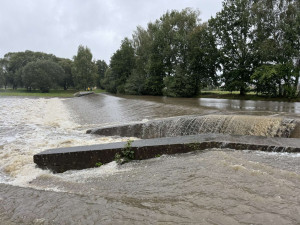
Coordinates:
[209,187]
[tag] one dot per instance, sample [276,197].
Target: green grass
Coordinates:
[37,93]
[248,96]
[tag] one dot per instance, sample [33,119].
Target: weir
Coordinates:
[179,135]
[75,158]
[191,125]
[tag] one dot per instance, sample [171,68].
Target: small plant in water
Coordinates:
[98,164]
[157,156]
[126,155]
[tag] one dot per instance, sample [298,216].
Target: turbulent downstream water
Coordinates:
[208,187]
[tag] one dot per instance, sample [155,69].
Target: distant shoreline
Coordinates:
[204,94]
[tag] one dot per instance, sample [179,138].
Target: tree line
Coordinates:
[42,71]
[250,45]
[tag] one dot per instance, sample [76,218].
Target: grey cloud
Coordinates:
[59,26]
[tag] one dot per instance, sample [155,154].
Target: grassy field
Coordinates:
[248,96]
[37,93]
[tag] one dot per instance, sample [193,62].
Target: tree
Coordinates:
[84,69]
[42,74]
[141,42]
[232,29]
[121,65]
[67,80]
[18,60]
[176,27]
[101,69]
[276,42]
[203,57]
[4,79]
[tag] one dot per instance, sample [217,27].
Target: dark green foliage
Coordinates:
[42,74]
[99,164]
[101,69]
[4,78]
[67,80]
[276,80]
[16,61]
[126,155]
[84,69]
[232,28]
[203,58]
[121,65]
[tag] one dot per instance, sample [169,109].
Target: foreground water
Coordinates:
[209,187]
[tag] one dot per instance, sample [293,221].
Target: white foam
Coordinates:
[37,125]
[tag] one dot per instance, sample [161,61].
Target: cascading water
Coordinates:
[214,186]
[190,125]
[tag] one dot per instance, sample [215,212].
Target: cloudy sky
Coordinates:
[60,26]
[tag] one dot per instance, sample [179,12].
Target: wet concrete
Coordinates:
[83,93]
[192,125]
[75,158]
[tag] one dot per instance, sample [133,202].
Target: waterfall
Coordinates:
[190,125]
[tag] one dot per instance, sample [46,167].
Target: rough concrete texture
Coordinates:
[74,158]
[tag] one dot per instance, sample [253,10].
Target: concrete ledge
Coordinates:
[83,93]
[75,158]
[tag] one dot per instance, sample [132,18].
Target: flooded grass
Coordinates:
[37,93]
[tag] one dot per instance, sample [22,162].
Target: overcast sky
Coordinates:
[60,26]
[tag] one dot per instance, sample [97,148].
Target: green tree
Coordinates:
[203,57]
[176,27]
[18,60]
[232,29]
[121,65]
[141,42]
[4,79]
[101,69]
[276,38]
[84,69]
[67,80]
[42,74]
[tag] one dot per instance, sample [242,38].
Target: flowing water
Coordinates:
[208,187]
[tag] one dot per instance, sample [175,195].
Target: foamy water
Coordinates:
[203,187]
[29,126]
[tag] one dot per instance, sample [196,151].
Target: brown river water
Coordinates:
[208,187]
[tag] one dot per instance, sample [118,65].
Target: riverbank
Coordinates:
[249,96]
[36,93]
[204,94]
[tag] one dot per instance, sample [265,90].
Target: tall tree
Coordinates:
[67,80]
[232,28]
[101,69]
[203,58]
[84,69]
[121,65]
[4,79]
[276,37]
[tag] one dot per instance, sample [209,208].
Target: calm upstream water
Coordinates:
[208,187]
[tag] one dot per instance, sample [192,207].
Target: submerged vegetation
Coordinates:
[126,155]
[249,46]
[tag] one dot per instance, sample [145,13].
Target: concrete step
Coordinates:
[82,157]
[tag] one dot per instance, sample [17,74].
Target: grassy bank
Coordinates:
[37,93]
[248,96]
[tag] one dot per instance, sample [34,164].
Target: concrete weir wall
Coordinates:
[75,158]
[192,125]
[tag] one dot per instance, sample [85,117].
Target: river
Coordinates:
[208,187]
